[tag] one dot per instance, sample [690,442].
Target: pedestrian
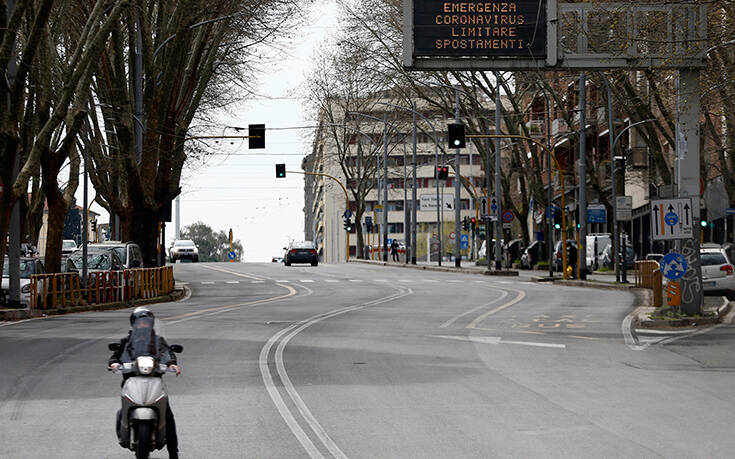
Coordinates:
[572,258]
[394,250]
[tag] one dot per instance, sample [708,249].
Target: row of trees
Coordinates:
[119,84]
[213,245]
[364,67]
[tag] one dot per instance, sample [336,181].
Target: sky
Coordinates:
[240,191]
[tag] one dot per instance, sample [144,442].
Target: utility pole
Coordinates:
[581,250]
[498,184]
[457,195]
[413,192]
[439,204]
[177,228]
[14,233]
[406,212]
[488,187]
[613,177]
[85,224]
[549,215]
[385,188]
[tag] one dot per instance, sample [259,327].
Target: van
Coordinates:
[594,245]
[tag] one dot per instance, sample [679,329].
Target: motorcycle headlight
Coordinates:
[145,365]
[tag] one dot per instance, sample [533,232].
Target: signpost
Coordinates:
[672,219]
[427,202]
[508,216]
[624,208]
[484,206]
[596,213]
[464,241]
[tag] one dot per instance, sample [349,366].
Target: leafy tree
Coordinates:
[213,245]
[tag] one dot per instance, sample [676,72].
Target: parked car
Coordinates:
[535,252]
[596,243]
[184,249]
[717,270]
[98,259]
[301,252]
[28,267]
[68,246]
[129,252]
[277,260]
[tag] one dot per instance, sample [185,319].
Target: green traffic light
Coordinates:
[557,226]
[703,223]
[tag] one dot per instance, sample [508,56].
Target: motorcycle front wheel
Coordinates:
[144,437]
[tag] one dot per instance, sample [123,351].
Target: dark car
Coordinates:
[535,252]
[98,260]
[301,252]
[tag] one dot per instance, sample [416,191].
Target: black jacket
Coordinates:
[165,356]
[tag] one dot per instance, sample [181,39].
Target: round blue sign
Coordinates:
[508,216]
[671,219]
[232,255]
[673,266]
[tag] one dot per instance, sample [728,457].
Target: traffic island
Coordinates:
[714,310]
[24,314]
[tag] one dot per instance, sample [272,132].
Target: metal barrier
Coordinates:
[648,275]
[61,290]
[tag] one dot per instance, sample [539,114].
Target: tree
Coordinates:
[49,52]
[192,56]
[213,246]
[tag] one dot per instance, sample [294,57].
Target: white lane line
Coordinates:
[631,340]
[355,280]
[648,331]
[309,418]
[504,282]
[283,281]
[478,320]
[257,282]
[331,280]
[499,340]
[306,280]
[233,282]
[455,281]
[483,306]
[234,273]
[207,283]
[430,280]
[405,280]
[381,280]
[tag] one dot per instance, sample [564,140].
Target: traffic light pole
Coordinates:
[457,189]
[344,190]
[561,182]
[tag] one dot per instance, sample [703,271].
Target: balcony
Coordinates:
[558,126]
[535,128]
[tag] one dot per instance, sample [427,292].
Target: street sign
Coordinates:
[390,241]
[596,213]
[507,226]
[671,219]
[464,241]
[347,214]
[452,235]
[378,208]
[673,266]
[427,202]
[232,255]
[624,208]
[508,216]
[437,31]
[729,211]
[494,207]
[484,204]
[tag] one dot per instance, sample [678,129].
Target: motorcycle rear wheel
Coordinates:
[144,437]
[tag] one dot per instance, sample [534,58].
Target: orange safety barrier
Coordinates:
[60,290]
[648,275]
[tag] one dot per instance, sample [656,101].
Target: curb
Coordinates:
[481,271]
[588,284]
[24,314]
[721,311]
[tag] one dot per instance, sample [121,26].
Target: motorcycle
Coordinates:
[141,421]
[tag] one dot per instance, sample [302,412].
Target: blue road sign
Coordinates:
[464,241]
[596,214]
[347,214]
[730,211]
[508,216]
[232,255]
[671,219]
[390,241]
[673,266]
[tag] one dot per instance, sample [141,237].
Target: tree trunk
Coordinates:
[360,237]
[142,228]
[57,210]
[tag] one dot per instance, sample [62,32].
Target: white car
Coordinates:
[28,266]
[183,249]
[717,271]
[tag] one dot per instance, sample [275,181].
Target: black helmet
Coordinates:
[140,312]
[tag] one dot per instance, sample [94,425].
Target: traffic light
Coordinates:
[465,223]
[473,224]
[557,218]
[93,225]
[455,133]
[348,225]
[280,170]
[442,172]
[256,136]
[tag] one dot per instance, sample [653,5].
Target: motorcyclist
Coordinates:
[142,318]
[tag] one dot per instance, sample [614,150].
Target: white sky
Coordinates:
[241,191]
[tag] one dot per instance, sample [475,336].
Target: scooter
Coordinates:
[141,422]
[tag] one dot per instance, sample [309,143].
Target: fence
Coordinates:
[61,290]
[648,275]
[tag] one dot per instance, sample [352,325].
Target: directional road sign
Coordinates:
[673,266]
[464,241]
[484,206]
[508,216]
[428,202]
[596,213]
[494,207]
[232,255]
[347,214]
[671,219]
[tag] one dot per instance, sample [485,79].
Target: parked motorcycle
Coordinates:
[141,421]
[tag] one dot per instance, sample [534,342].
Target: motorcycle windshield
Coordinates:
[143,339]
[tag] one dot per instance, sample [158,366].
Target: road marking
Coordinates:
[455,281]
[430,280]
[584,337]
[306,280]
[233,282]
[236,273]
[629,336]
[381,280]
[257,282]
[355,280]
[303,409]
[331,280]
[478,320]
[405,280]
[483,306]
[499,340]
[283,281]
[207,283]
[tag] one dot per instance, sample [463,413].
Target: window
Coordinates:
[713,259]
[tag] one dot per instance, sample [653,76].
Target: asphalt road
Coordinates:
[370,362]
